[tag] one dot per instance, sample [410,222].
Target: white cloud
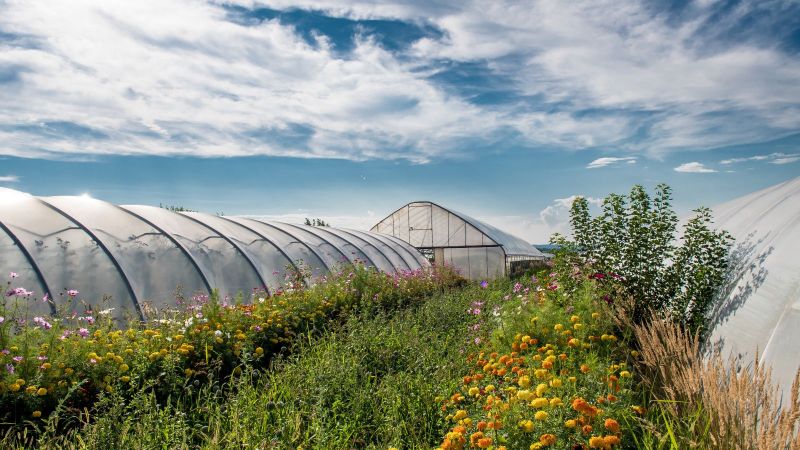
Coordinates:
[772,158]
[538,228]
[785,160]
[9,178]
[609,161]
[176,77]
[693,167]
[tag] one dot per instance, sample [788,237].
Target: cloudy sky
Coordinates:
[345,110]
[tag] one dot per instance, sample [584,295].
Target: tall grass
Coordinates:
[373,382]
[707,401]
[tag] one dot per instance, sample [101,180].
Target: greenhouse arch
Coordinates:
[128,258]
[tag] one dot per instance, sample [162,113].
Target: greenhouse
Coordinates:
[477,249]
[135,257]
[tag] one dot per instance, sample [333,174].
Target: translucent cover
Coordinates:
[126,258]
[426,225]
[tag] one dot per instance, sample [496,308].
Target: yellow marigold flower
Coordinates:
[123,367]
[571,423]
[555,383]
[41,392]
[556,402]
[558,327]
[20,381]
[37,413]
[574,342]
[474,391]
[30,390]
[634,353]
[595,315]
[574,319]
[259,351]
[526,425]
[524,381]
[624,374]
[460,414]
[535,446]
[572,379]
[489,388]
[541,415]
[68,371]
[13,387]
[540,403]
[541,389]
[525,395]
[125,379]
[46,366]
[596,442]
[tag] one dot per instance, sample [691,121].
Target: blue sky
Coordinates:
[347,110]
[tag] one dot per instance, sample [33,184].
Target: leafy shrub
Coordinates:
[633,244]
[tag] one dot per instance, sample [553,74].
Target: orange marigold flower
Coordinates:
[612,425]
[547,439]
[611,440]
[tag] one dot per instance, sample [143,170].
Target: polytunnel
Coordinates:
[132,257]
[478,250]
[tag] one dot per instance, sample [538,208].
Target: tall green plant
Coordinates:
[633,242]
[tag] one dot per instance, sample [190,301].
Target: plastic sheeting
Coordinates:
[760,308]
[478,250]
[132,257]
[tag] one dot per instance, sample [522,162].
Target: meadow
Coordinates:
[367,360]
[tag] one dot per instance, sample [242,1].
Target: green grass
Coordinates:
[373,382]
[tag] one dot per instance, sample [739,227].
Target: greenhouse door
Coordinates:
[419,226]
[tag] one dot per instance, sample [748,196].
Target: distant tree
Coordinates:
[316,222]
[633,241]
[176,208]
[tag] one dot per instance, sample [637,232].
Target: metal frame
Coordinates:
[270,241]
[177,243]
[313,250]
[405,245]
[105,249]
[380,238]
[349,242]
[236,246]
[33,264]
[358,236]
